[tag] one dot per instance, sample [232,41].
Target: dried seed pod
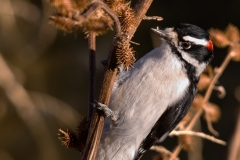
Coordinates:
[99,25]
[219,38]
[209,71]
[221,91]
[65,7]
[126,16]
[63,23]
[76,140]
[204,82]
[198,102]
[186,141]
[213,112]
[68,138]
[232,33]
[81,5]
[113,4]
[235,53]
[125,54]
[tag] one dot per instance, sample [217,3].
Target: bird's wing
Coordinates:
[168,121]
[121,77]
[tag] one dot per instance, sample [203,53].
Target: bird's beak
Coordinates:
[160,33]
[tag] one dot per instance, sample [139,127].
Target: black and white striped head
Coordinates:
[191,43]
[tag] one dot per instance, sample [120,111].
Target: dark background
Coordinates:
[53,66]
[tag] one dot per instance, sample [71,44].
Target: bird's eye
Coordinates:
[185,45]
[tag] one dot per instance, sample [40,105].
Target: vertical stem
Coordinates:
[92,72]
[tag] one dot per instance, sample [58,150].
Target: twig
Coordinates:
[209,125]
[92,71]
[162,150]
[156,18]
[199,134]
[97,121]
[138,44]
[177,150]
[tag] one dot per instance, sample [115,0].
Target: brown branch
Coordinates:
[162,150]
[97,122]
[199,134]
[92,71]
[175,153]
[156,18]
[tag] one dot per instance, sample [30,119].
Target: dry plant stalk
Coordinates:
[165,154]
[229,37]
[234,148]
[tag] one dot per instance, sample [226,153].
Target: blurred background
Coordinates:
[44,76]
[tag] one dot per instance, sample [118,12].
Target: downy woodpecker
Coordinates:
[152,98]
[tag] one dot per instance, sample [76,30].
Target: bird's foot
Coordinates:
[120,68]
[107,111]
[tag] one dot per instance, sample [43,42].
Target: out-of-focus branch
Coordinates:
[218,73]
[162,150]
[234,149]
[199,134]
[27,112]
[92,71]
[58,109]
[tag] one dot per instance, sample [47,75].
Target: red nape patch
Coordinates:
[209,45]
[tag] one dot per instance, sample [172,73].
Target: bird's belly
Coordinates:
[139,108]
[140,101]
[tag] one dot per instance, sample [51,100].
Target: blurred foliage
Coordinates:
[53,68]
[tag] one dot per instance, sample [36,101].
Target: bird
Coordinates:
[150,99]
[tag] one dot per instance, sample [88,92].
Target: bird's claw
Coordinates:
[107,111]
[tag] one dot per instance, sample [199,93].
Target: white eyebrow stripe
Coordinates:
[196,41]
